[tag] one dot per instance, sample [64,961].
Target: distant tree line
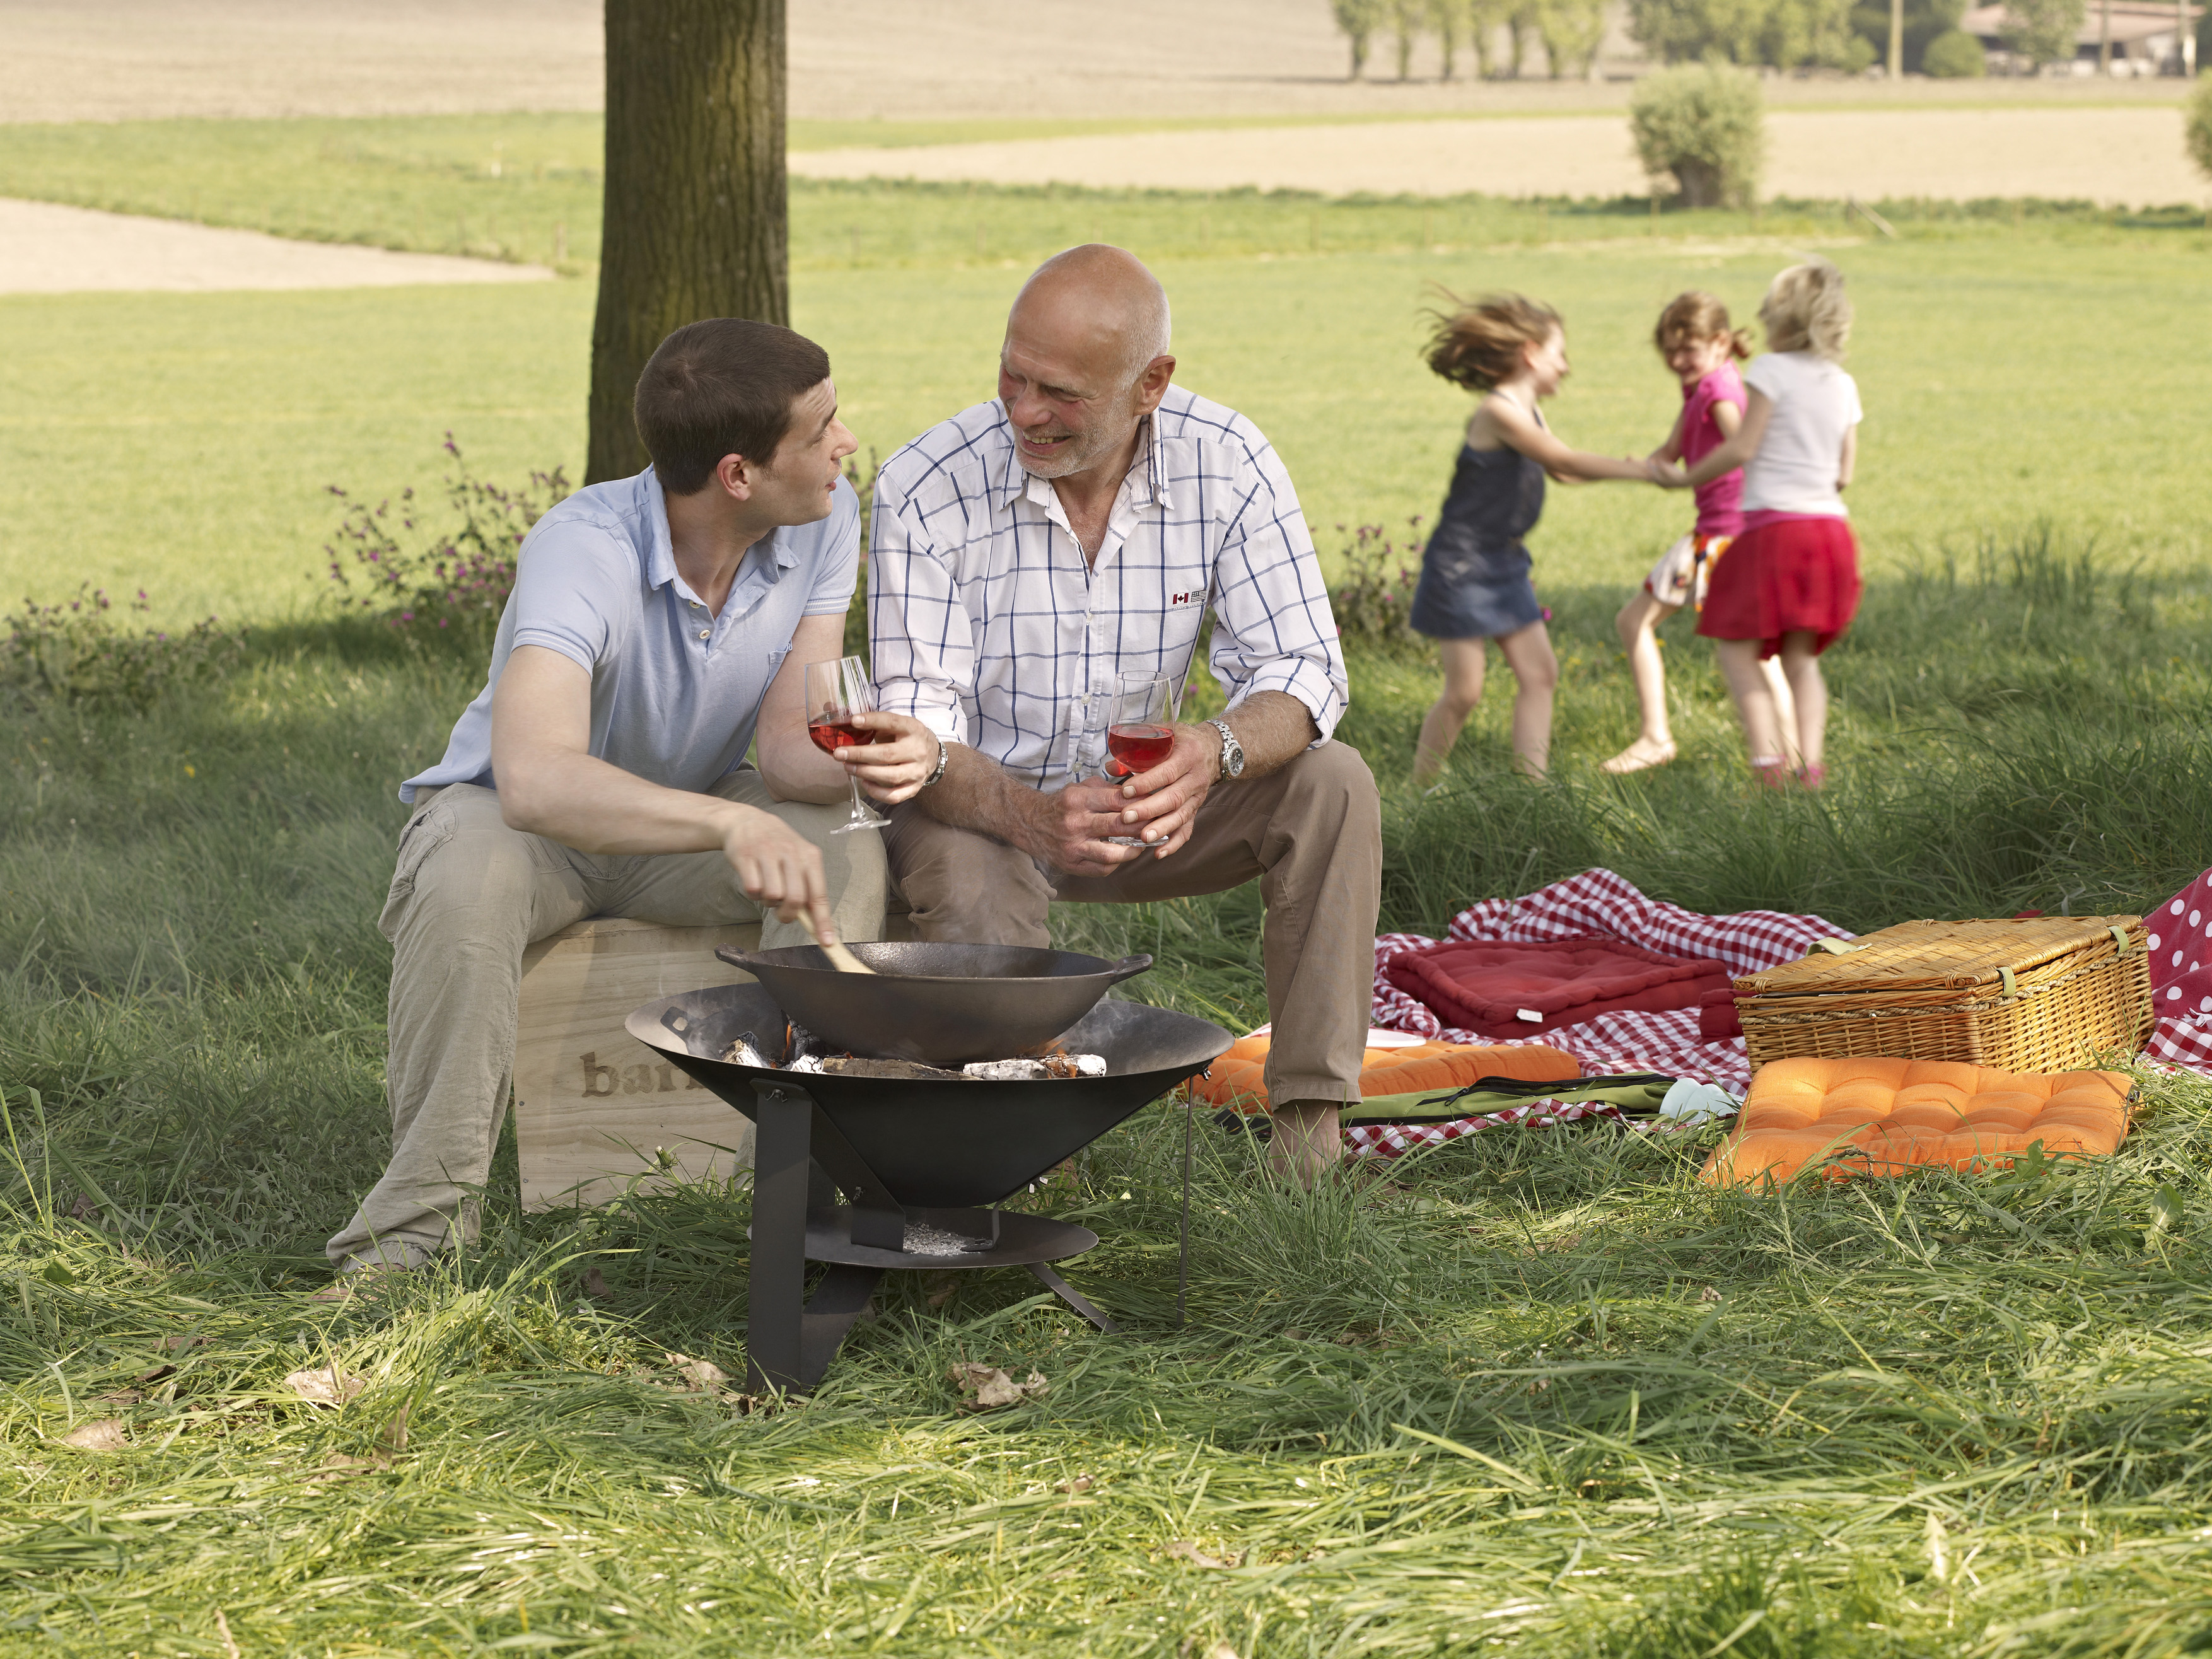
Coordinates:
[1838,34]
[1843,35]
[1497,33]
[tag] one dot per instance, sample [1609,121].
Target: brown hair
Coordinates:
[1806,309]
[724,387]
[1699,316]
[1479,345]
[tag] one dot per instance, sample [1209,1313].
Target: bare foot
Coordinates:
[1639,757]
[1306,1142]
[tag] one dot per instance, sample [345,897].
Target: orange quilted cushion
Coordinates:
[1883,1116]
[1236,1081]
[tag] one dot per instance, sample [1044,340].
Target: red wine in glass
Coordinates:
[1139,747]
[835,731]
[835,692]
[1139,732]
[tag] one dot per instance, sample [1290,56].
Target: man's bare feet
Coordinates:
[1306,1142]
[1639,757]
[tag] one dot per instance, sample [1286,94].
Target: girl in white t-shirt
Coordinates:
[1790,584]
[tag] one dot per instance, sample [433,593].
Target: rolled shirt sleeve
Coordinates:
[920,642]
[1273,628]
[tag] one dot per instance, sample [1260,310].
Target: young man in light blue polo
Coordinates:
[658,630]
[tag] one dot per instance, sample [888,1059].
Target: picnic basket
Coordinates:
[2045,994]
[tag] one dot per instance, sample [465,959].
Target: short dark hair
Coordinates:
[724,387]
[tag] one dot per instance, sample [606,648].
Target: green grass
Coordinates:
[2011,372]
[516,186]
[1539,1392]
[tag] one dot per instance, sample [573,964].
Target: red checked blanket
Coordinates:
[1597,903]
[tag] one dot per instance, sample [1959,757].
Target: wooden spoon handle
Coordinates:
[840,958]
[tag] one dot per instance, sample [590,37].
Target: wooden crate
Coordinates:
[2046,993]
[592,1105]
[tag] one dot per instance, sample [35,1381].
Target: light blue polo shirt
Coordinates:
[676,692]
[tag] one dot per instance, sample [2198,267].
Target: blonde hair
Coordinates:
[1697,316]
[1806,309]
[1479,345]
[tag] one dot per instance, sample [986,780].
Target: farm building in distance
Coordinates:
[2135,37]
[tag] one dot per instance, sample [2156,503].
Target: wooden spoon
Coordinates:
[840,958]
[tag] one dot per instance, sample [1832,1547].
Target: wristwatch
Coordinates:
[1232,752]
[943,756]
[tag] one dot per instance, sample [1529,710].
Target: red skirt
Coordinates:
[1795,576]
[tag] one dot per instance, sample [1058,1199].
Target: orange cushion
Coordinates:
[1877,1116]
[1236,1077]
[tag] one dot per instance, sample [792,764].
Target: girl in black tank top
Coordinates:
[1474,571]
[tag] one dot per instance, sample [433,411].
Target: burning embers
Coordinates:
[803,1051]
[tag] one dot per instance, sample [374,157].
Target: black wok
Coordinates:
[943,1005]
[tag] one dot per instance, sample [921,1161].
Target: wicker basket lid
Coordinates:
[1962,956]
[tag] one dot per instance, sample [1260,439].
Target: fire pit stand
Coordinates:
[912,1158]
[799,1161]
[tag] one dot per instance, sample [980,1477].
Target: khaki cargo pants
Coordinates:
[468,896]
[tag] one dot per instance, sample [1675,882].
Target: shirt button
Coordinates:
[706,633]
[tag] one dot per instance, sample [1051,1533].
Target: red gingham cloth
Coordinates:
[1597,901]
[2181,977]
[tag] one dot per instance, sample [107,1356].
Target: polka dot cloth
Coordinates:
[2181,976]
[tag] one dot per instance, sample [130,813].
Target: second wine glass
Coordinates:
[1141,733]
[836,691]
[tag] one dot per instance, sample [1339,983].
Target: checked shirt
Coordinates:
[987,625]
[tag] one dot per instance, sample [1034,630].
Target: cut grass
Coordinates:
[1539,1390]
[526,187]
[2016,359]
[2009,376]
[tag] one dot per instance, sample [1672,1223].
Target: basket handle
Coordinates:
[2120,940]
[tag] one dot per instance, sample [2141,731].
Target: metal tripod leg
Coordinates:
[776,1299]
[790,1341]
[838,1301]
[1067,1293]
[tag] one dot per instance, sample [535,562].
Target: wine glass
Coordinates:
[1141,733]
[836,691]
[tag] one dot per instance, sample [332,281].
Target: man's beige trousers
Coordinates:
[468,895]
[1311,832]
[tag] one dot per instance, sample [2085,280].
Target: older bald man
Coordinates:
[1078,527]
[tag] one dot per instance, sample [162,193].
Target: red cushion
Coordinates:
[1485,986]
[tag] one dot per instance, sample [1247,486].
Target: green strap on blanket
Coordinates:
[1638,1094]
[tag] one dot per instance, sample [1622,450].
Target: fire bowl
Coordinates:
[942,1004]
[947,1143]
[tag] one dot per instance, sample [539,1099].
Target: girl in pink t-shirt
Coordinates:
[1694,337]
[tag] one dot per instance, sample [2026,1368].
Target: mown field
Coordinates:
[1539,1392]
[2013,370]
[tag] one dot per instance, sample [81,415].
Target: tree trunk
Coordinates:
[696,212]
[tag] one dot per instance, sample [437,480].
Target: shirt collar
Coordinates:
[779,545]
[659,545]
[1146,480]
